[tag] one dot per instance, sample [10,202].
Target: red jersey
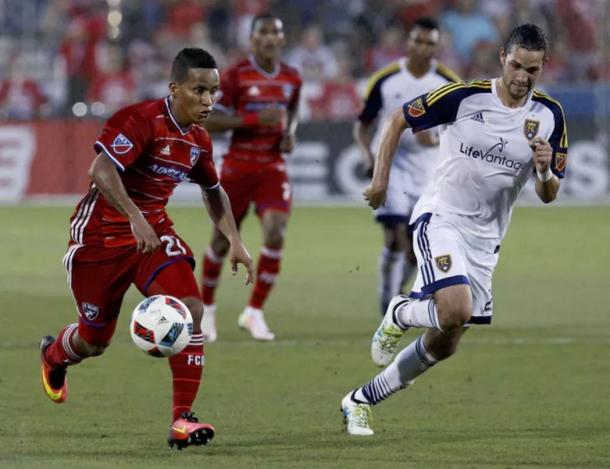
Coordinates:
[247,88]
[153,155]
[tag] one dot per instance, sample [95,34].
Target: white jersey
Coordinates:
[485,154]
[388,90]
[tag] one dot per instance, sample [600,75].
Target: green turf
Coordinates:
[530,391]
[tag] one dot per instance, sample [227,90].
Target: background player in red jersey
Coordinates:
[120,232]
[259,103]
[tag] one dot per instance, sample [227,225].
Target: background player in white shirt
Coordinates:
[416,155]
[494,135]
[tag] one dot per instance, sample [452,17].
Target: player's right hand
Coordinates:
[238,254]
[375,195]
[146,238]
[271,116]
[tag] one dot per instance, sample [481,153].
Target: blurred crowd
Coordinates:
[90,57]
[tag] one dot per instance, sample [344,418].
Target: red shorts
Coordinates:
[100,276]
[265,185]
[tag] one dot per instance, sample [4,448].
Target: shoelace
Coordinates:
[388,337]
[361,415]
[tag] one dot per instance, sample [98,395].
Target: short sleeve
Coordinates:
[124,137]
[432,109]
[204,171]
[440,106]
[372,104]
[559,143]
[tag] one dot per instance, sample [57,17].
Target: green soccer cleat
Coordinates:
[388,334]
[356,416]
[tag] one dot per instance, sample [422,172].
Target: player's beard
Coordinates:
[515,91]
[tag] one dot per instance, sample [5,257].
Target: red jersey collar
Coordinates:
[173,119]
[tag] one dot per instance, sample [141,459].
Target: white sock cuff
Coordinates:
[212,256]
[423,354]
[391,255]
[272,253]
[197,339]
[66,342]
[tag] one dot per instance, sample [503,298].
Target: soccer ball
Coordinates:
[161,326]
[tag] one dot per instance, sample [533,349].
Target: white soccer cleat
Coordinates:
[253,320]
[208,324]
[388,334]
[356,416]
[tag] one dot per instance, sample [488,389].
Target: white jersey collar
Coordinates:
[262,71]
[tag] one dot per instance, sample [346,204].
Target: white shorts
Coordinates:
[399,204]
[448,256]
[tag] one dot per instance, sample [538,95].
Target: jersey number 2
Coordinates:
[171,244]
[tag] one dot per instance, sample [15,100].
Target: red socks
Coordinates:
[268,268]
[61,352]
[212,265]
[187,368]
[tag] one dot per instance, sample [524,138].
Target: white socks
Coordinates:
[418,314]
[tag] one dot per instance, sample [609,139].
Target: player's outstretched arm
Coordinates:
[219,208]
[547,184]
[104,174]
[393,127]
[220,121]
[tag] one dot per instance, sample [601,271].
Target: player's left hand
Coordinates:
[375,195]
[238,254]
[543,152]
[287,143]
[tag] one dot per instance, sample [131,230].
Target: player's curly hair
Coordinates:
[529,36]
[190,57]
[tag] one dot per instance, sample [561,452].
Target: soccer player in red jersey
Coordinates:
[259,104]
[120,232]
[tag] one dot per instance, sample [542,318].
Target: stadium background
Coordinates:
[530,391]
[67,64]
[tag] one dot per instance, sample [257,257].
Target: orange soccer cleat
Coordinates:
[187,430]
[54,380]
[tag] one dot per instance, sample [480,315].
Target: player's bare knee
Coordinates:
[274,238]
[453,316]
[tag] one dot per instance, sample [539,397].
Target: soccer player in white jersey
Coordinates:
[416,155]
[494,135]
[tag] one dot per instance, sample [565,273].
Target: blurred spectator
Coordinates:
[58,43]
[389,48]
[245,11]
[314,60]
[468,26]
[20,96]
[339,99]
[184,14]
[485,61]
[112,86]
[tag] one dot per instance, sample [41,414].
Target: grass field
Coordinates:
[533,390]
